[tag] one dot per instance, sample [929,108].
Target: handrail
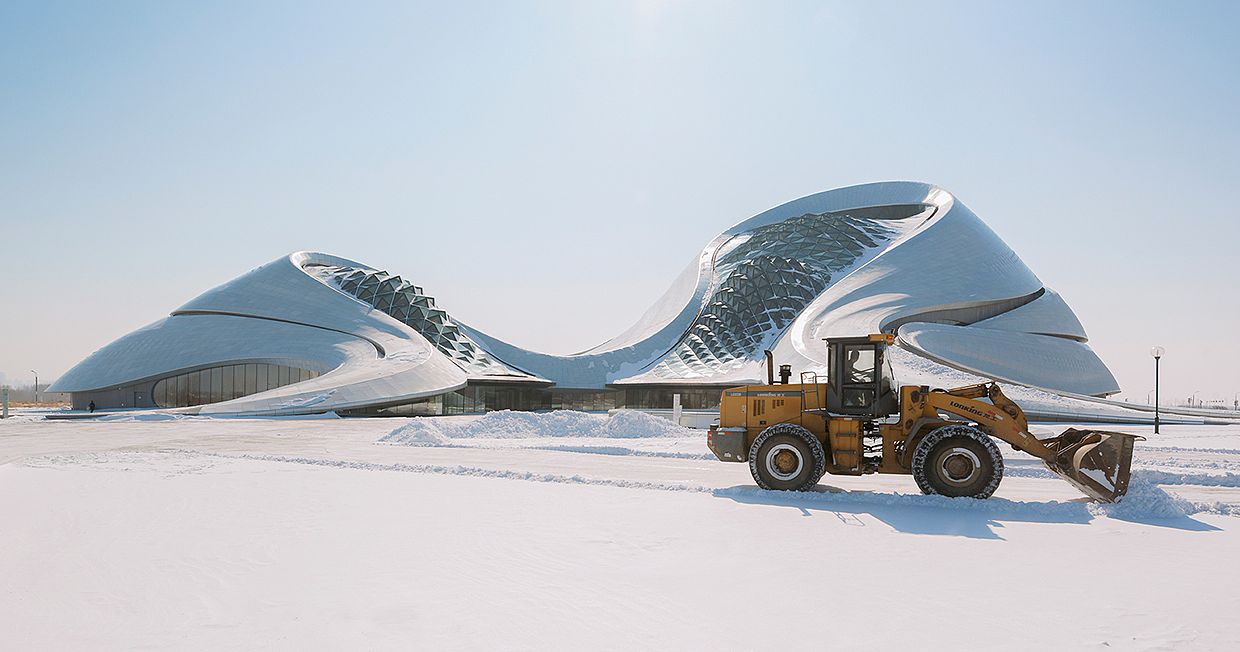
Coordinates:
[810,379]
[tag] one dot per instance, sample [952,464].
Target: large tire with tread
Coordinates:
[787,457]
[957,461]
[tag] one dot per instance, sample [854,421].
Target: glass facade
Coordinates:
[489,398]
[225,383]
[476,399]
[695,398]
[767,276]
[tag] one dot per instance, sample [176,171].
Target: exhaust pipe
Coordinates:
[770,368]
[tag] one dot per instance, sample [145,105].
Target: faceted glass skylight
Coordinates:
[408,304]
[766,280]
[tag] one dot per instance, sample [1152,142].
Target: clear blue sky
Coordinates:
[545,169]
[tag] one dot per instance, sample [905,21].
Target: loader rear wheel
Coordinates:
[787,457]
[957,461]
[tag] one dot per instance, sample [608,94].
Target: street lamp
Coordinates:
[1157,352]
[36,385]
[1147,396]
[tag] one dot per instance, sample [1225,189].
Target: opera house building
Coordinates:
[311,332]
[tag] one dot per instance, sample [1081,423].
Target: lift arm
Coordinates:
[1000,418]
[1097,462]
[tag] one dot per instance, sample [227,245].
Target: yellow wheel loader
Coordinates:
[858,422]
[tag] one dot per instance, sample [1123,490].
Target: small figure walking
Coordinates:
[91,406]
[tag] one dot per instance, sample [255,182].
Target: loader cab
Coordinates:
[859,377]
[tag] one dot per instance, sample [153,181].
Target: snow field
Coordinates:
[520,532]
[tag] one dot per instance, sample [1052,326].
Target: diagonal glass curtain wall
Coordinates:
[408,304]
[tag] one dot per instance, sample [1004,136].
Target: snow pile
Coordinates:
[626,424]
[418,432]
[25,416]
[1145,500]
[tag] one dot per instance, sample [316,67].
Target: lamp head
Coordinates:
[1157,352]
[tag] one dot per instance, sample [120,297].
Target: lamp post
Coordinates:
[36,385]
[1157,352]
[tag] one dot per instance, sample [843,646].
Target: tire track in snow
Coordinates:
[432,469]
[1151,475]
[587,450]
[1199,479]
[1182,449]
[1144,499]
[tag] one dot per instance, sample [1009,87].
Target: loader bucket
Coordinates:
[1097,462]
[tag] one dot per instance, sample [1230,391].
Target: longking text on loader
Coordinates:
[792,434]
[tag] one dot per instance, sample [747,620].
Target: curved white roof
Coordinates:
[900,257]
[279,314]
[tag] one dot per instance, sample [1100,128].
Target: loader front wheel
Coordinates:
[957,461]
[787,457]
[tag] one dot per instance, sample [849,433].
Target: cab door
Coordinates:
[859,377]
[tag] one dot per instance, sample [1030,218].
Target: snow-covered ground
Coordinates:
[571,531]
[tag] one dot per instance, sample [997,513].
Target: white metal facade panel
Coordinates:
[913,264]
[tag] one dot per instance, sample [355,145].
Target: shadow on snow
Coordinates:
[967,517]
